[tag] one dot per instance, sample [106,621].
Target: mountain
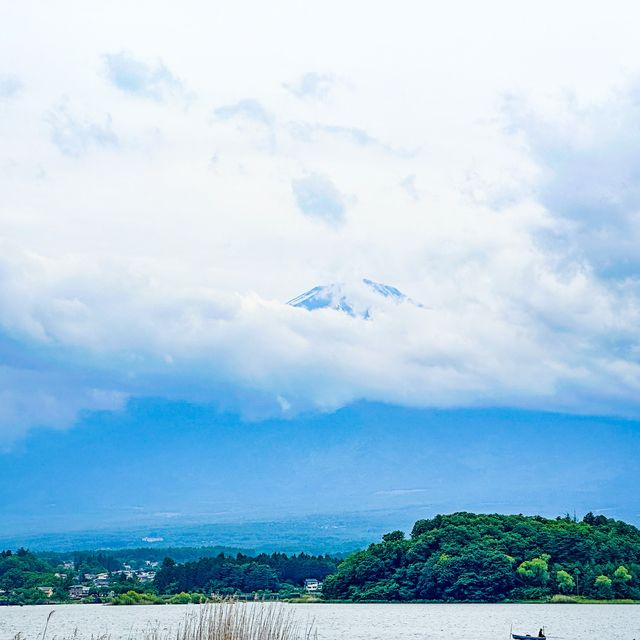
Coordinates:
[359,299]
[335,533]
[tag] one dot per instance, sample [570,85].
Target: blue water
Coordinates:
[352,622]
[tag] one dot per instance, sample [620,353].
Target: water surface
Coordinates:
[350,621]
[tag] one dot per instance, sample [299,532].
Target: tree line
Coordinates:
[490,558]
[457,557]
[224,574]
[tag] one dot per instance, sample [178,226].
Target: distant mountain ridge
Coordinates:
[359,299]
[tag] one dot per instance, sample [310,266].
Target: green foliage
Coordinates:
[565,581]
[227,574]
[394,536]
[622,582]
[20,575]
[603,587]
[535,572]
[134,597]
[469,557]
[111,559]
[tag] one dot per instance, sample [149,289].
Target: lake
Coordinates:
[350,621]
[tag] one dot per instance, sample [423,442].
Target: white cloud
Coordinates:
[156,274]
[308,132]
[74,136]
[48,398]
[249,109]
[590,182]
[139,78]
[408,184]
[10,86]
[530,343]
[311,85]
[317,197]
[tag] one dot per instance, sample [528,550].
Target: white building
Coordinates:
[311,584]
[146,576]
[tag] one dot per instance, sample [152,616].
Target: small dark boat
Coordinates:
[515,636]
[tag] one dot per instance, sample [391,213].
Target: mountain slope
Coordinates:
[359,299]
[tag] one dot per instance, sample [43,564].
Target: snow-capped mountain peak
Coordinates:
[359,299]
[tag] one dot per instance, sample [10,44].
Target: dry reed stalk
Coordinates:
[236,621]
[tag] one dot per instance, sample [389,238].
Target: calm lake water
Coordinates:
[348,621]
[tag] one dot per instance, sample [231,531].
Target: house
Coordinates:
[101,580]
[146,576]
[47,591]
[311,584]
[127,573]
[77,591]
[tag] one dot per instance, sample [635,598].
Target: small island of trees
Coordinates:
[492,558]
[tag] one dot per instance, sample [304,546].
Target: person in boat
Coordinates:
[541,633]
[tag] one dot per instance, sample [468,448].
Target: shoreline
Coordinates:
[585,601]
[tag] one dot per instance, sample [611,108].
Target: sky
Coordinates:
[172,174]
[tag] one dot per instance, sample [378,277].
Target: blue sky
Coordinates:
[172,176]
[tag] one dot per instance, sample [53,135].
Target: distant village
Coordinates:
[28,578]
[99,583]
[102,581]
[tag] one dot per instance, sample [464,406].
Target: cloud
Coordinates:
[96,335]
[74,136]
[139,78]
[251,115]
[308,133]
[408,184]
[48,397]
[154,275]
[317,197]
[314,86]
[248,109]
[10,85]
[589,181]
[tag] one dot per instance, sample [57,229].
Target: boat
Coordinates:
[515,636]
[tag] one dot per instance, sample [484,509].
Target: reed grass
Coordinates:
[226,620]
[237,621]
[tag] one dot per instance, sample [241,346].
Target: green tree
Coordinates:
[536,571]
[394,536]
[259,577]
[621,580]
[603,586]
[565,582]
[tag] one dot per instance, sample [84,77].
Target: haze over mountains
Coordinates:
[331,480]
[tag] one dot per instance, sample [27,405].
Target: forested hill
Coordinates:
[472,557]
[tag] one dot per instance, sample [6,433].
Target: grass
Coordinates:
[236,621]
[562,599]
[228,620]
